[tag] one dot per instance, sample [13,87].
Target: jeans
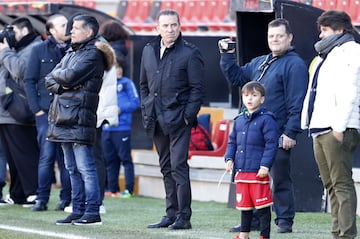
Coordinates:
[49,151]
[334,160]
[117,151]
[80,163]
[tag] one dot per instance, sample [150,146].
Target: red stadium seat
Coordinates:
[86,3]
[251,4]
[219,139]
[220,19]
[319,4]
[137,11]
[188,17]
[354,11]
[325,4]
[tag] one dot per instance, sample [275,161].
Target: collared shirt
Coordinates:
[163,48]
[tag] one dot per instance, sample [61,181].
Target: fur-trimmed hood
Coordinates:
[108,51]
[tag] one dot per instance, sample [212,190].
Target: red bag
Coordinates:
[200,139]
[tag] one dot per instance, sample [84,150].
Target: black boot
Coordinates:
[2,184]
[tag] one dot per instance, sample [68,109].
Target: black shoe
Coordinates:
[237,228]
[39,206]
[69,219]
[165,222]
[284,230]
[180,224]
[62,205]
[88,219]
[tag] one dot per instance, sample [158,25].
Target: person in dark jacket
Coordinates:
[250,153]
[18,139]
[43,59]
[116,140]
[75,83]
[285,76]
[171,93]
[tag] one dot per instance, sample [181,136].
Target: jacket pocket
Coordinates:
[67,112]
[351,140]
[147,111]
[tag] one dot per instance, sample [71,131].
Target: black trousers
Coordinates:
[173,151]
[21,151]
[99,162]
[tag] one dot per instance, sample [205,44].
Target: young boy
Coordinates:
[117,139]
[251,151]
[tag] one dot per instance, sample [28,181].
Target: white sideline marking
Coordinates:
[42,233]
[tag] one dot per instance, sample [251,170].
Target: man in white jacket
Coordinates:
[331,114]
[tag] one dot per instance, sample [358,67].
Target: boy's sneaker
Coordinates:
[88,219]
[69,219]
[126,194]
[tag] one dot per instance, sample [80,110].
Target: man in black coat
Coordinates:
[171,90]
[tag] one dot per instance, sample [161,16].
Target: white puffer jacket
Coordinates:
[338,91]
[108,108]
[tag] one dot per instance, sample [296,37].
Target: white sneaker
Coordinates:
[31,198]
[68,209]
[30,201]
[7,201]
[102,209]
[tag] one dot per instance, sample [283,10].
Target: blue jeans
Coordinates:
[117,151]
[49,151]
[80,163]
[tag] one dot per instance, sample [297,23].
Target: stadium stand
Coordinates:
[352,7]
[87,3]
[212,15]
[194,14]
